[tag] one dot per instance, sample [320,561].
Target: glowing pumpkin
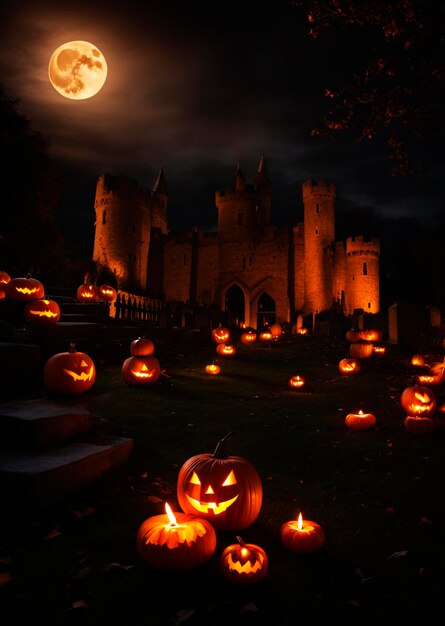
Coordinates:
[348,366]
[244,563]
[69,372]
[303,331]
[438,369]
[24,289]
[379,350]
[360,349]
[175,541]
[429,379]
[42,312]
[418,400]
[248,337]
[87,293]
[107,293]
[220,334]
[418,360]
[2,291]
[353,335]
[142,346]
[296,382]
[373,335]
[4,278]
[302,536]
[226,349]
[266,336]
[212,369]
[360,420]
[141,370]
[225,490]
[418,425]
[276,330]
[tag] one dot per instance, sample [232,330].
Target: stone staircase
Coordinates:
[50,452]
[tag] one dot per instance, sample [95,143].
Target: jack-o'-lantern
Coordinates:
[141,370]
[428,379]
[244,563]
[107,293]
[438,369]
[275,330]
[353,335]
[266,336]
[248,337]
[4,278]
[349,366]
[225,490]
[212,369]
[226,349]
[418,400]
[142,346]
[220,334]
[373,335]
[175,541]
[379,350]
[42,312]
[69,372]
[296,382]
[303,331]
[418,425]
[360,349]
[87,293]
[418,360]
[24,289]
[360,420]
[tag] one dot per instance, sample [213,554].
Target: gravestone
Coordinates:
[407,325]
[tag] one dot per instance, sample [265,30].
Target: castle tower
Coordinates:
[339,276]
[160,202]
[362,274]
[319,201]
[244,210]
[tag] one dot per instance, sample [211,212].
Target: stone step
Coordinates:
[41,479]
[40,422]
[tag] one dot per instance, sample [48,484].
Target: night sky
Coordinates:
[196,87]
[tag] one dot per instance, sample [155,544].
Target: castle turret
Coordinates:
[319,205]
[362,274]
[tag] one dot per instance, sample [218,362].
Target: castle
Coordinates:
[254,271]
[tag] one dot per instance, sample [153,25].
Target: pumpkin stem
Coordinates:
[220,453]
[240,540]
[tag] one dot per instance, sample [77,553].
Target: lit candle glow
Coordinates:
[302,536]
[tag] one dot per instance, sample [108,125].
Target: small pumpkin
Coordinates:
[248,337]
[418,425]
[266,336]
[24,289]
[69,372]
[220,334]
[87,293]
[349,367]
[244,563]
[226,349]
[296,382]
[379,350]
[4,278]
[429,379]
[142,346]
[361,349]
[43,312]
[374,335]
[276,330]
[141,370]
[418,400]
[302,536]
[177,542]
[107,293]
[303,331]
[360,420]
[225,490]
[418,360]
[213,369]
[353,335]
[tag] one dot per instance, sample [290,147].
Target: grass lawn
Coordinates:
[378,494]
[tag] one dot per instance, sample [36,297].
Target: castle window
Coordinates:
[365,269]
[317,208]
[239,219]
[316,231]
[353,278]
[104,216]
[369,305]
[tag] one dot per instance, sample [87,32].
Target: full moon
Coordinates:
[77,70]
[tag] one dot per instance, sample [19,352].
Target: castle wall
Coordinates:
[339,276]
[177,267]
[298,261]
[362,274]
[241,214]
[318,200]
[207,268]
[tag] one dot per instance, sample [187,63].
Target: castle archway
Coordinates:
[234,305]
[266,310]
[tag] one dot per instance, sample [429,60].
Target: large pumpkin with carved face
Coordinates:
[42,312]
[225,490]
[69,372]
[418,400]
[141,370]
[24,289]
[87,293]
[107,293]
[220,334]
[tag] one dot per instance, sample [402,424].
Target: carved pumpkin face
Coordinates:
[4,278]
[220,334]
[226,491]
[248,337]
[379,350]
[212,369]
[303,331]
[24,289]
[418,400]
[142,346]
[226,349]
[244,563]
[296,382]
[266,336]
[87,293]
[107,293]
[372,335]
[180,546]
[42,312]
[348,367]
[69,372]
[141,370]
[429,379]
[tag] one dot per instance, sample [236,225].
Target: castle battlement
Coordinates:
[122,187]
[362,245]
[313,188]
